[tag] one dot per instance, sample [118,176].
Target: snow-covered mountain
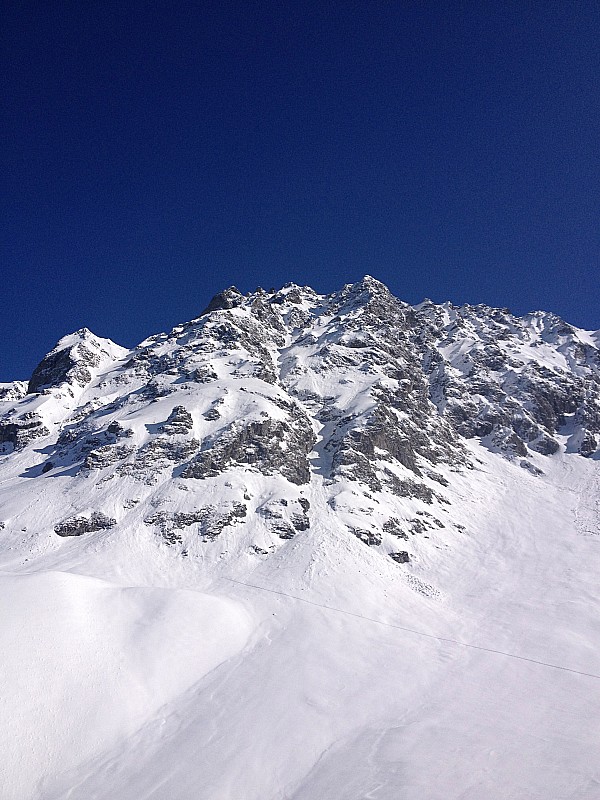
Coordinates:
[305,547]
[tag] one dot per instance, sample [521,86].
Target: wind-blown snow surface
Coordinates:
[279,652]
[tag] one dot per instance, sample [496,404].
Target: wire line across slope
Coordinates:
[419,633]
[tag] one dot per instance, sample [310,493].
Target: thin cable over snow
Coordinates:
[419,633]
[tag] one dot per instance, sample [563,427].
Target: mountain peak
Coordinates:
[228,298]
[369,280]
[71,360]
[369,284]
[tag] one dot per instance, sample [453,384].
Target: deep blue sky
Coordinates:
[157,152]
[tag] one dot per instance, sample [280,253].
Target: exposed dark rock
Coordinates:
[156,389]
[130,502]
[159,453]
[401,557]
[67,365]
[372,538]
[435,476]
[166,520]
[300,522]
[497,390]
[20,431]
[210,521]
[531,467]
[281,522]
[506,440]
[270,446]
[270,511]
[394,527]
[358,467]
[77,526]
[105,456]
[203,374]
[229,298]
[381,438]
[179,422]
[12,392]
[418,526]
[283,529]
[588,445]
[409,488]
[51,371]
[213,412]
[80,442]
[545,445]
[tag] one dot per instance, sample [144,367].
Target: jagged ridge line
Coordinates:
[418,633]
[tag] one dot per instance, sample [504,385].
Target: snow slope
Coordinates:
[88,663]
[280,652]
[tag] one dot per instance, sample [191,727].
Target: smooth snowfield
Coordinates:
[86,663]
[177,694]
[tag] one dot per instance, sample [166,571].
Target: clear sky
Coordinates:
[155,153]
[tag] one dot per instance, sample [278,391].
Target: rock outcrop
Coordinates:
[20,430]
[77,526]
[73,361]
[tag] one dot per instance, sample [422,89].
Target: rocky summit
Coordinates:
[304,546]
[358,391]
